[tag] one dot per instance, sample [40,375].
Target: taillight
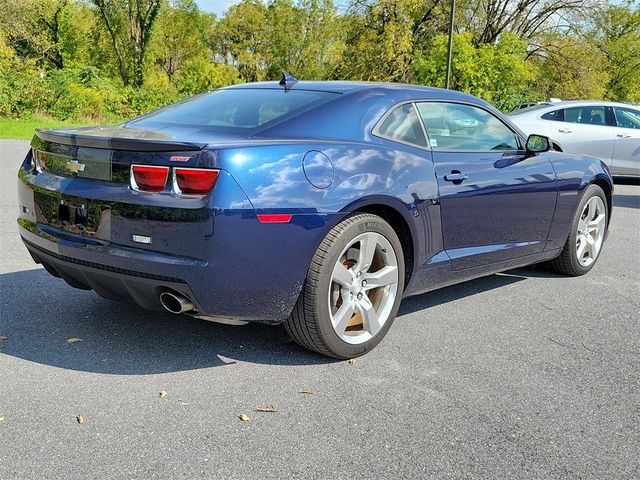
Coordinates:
[149,178]
[194,181]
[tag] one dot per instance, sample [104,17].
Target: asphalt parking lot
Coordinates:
[519,375]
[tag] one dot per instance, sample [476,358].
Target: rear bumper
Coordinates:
[108,281]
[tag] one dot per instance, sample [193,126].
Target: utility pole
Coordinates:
[451,20]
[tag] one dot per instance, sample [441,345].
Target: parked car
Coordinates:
[316,204]
[606,130]
[533,104]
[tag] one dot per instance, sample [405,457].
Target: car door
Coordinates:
[496,202]
[586,130]
[626,151]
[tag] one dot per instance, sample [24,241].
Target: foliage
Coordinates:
[104,60]
[496,72]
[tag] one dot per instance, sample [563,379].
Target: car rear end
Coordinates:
[103,212]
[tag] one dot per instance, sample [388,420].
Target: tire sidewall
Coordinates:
[369,223]
[590,192]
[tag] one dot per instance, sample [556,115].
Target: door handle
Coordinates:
[565,130]
[623,135]
[455,177]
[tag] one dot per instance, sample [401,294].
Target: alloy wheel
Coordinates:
[364,285]
[591,230]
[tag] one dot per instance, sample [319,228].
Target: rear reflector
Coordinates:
[275,217]
[149,178]
[194,181]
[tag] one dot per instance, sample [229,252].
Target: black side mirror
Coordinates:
[538,144]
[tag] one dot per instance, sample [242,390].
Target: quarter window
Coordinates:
[585,115]
[557,115]
[453,126]
[627,118]
[402,124]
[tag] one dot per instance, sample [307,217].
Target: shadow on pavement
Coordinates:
[38,313]
[627,201]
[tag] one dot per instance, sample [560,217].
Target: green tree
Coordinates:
[181,32]
[130,24]
[496,72]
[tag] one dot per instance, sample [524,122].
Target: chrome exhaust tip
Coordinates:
[175,303]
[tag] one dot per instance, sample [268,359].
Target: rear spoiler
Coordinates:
[76,137]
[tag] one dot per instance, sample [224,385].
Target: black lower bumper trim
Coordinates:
[100,266]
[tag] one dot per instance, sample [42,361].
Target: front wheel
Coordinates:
[588,230]
[352,291]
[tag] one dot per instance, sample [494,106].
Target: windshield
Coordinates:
[236,109]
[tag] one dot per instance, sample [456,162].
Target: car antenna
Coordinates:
[288,81]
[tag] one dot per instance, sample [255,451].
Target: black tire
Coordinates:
[310,324]
[567,262]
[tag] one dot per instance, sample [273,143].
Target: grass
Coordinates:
[23,128]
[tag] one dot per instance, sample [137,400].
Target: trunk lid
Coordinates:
[106,153]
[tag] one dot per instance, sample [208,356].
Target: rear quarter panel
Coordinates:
[574,173]
[401,177]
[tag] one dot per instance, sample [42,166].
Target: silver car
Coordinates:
[607,130]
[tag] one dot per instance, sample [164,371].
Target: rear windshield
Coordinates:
[237,108]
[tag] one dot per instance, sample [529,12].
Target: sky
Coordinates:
[215,6]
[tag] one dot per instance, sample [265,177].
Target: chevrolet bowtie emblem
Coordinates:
[75,166]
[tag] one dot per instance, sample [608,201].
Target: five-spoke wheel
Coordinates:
[587,234]
[353,289]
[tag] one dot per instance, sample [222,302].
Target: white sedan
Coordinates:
[606,130]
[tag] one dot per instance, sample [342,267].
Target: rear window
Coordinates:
[237,108]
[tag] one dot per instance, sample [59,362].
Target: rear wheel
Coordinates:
[352,291]
[588,230]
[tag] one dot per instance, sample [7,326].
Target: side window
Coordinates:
[403,124]
[627,118]
[586,115]
[453,126]
[557,115]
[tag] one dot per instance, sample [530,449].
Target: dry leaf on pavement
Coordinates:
[3,337]
[74,340]
[352,362]
[80,419]
[1,419]
[308,391]
[243,417]
[267,408]
[163,393]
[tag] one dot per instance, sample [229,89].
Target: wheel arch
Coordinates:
[607,189]
[399,223]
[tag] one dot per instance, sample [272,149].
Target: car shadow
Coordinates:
[39,314]
[626,201]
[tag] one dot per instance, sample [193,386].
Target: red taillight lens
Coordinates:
[195,181]
[149,178]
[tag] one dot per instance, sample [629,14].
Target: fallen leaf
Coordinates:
[243,417]
[2,337]
[80,419]
[73,340]
[1,419]
[163,393]
[352,362]
[267,408]
[308,391]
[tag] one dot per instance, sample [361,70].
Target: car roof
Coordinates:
[346,87]
[547,106]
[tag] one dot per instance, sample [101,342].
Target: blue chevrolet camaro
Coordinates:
[315,204]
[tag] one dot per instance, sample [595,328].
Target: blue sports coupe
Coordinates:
[319,205]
